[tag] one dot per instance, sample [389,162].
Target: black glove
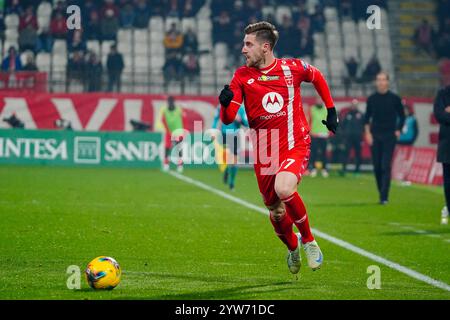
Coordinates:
[226,95]
[332,120]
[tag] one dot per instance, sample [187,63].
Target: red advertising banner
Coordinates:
[23,81]
[416,165]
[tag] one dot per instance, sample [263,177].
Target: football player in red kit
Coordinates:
[270,89]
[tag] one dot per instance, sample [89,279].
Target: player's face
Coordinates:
[382,83]
[253,51]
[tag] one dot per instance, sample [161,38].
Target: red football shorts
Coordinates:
[295,161]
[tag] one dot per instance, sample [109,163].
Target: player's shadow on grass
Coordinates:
[237,292]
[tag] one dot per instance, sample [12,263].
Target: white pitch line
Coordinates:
[341,243]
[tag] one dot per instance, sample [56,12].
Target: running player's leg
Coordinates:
[282,223]
[286,182]
[286,189]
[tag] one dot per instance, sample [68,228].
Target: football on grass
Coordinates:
[103,273]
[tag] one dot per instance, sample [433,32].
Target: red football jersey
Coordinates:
[272,101]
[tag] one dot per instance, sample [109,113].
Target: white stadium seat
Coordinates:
[12,21]
[43,62]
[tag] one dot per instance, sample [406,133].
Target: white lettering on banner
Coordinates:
[19,107]
[46,149]
[143,150]
[67,111]
[132,110]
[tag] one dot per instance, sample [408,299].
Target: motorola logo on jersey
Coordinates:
[273,102]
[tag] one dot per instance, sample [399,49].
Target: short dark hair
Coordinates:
[264,31]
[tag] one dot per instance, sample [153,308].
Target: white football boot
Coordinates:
[444,215]
[313,255]
[166,167]
[294,259]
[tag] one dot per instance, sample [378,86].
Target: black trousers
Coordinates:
[382,152]
[352,142]
[446,167]
[318,152]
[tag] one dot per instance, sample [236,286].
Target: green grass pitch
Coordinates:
[177,241]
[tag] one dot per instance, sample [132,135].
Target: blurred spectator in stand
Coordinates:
[142,16]
[352,129]
[372,69]
[345,8]
[222,28]
[239,13]
[30,64]
[424,36]
[86,11]
[306,40]
[28,39]
[58,26]
[410,130]
[109,26]
[172,9]
[190,41]
[14,8]
[442,43]
[444,70]
[188,9]
[157,7]
[28,19]
[76,69]
[12,62]
[109,5]
[60,7]
[127,15]
[115,66]
[172,68]
[93,26]
[191,68]
[286,43]
[76,41]
[173,40]
[2,25]
[318,19]
[94,71]
[352,69]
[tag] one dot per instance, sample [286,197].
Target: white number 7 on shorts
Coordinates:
[289,162]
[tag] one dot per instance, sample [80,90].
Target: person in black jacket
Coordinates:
[442,114]
[115,66]
[352,129]
[384,120]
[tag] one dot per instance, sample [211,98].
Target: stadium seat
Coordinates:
[204,25]
[43,62]
[221,50]
[9,44]
[93,45]
[156,24]
[140,36]
[141,64]
[11,35]
[206,62]
[12,21]
[268,10]
[157,49]
[60,47]
[157,62]
[282,11]
[188,23]
[330,14]
[124,36]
